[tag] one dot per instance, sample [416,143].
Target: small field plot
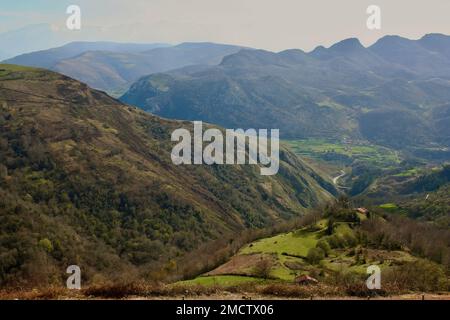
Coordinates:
[295,243]
[223,281]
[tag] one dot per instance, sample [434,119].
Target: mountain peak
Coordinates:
[246,57]
[344,47]
[292,52]
[436,42]
[293,56]
[320,52]
[390,40]
[347,45]
[435,36]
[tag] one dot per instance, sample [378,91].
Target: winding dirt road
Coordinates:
[335,179]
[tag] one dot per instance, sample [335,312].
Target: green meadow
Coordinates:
[222,280]
[289,254]
[337,150]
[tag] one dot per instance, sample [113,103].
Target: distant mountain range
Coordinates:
[85,179]
[51,57]
[38,37]
[113,67]
[42,36]
[394,93]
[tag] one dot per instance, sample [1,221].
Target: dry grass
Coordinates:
[160,291]
[143,290]
[115,291]
[341,286]
[51,293]
[298,291]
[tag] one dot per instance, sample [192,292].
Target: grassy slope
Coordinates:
[367,152]
[288,252]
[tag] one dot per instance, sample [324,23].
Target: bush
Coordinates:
[421,275]
[330,226]
[263,268]
[315,255]
[285,290]
[116,291]
[46,245]
[336,241]
[349,240]
[325,246]
[3,171]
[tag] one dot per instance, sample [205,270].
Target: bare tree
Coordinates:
[263,268]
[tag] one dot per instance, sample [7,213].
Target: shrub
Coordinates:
[263,268]
[315,255]
[349,239]
[336,241]
[117,291]
[46,245]
[285,290]
[330,226]
[421,275]
[325,246]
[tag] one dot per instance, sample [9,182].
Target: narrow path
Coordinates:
[335,179]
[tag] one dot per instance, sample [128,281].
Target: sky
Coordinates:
[268,24]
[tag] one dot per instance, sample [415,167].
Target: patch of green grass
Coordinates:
[329,103]
[361,216]
[389,206]
[14,67]
[321,148]
[280,271]
[288,253]
[393,208]
[292,246]
[341,262]
[16,72]
[408,173]
[342,229]
[295,243]
[225,280]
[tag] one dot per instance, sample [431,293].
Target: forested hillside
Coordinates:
[87,180]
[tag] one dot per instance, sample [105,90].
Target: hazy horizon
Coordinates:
[263,24]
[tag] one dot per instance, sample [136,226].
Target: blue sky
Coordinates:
[268,24]
[47,5]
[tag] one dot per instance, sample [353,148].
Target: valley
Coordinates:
[362,178]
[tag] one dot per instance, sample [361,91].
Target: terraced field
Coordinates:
[337,151]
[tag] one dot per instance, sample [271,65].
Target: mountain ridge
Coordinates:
[343,86]
[111,66]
